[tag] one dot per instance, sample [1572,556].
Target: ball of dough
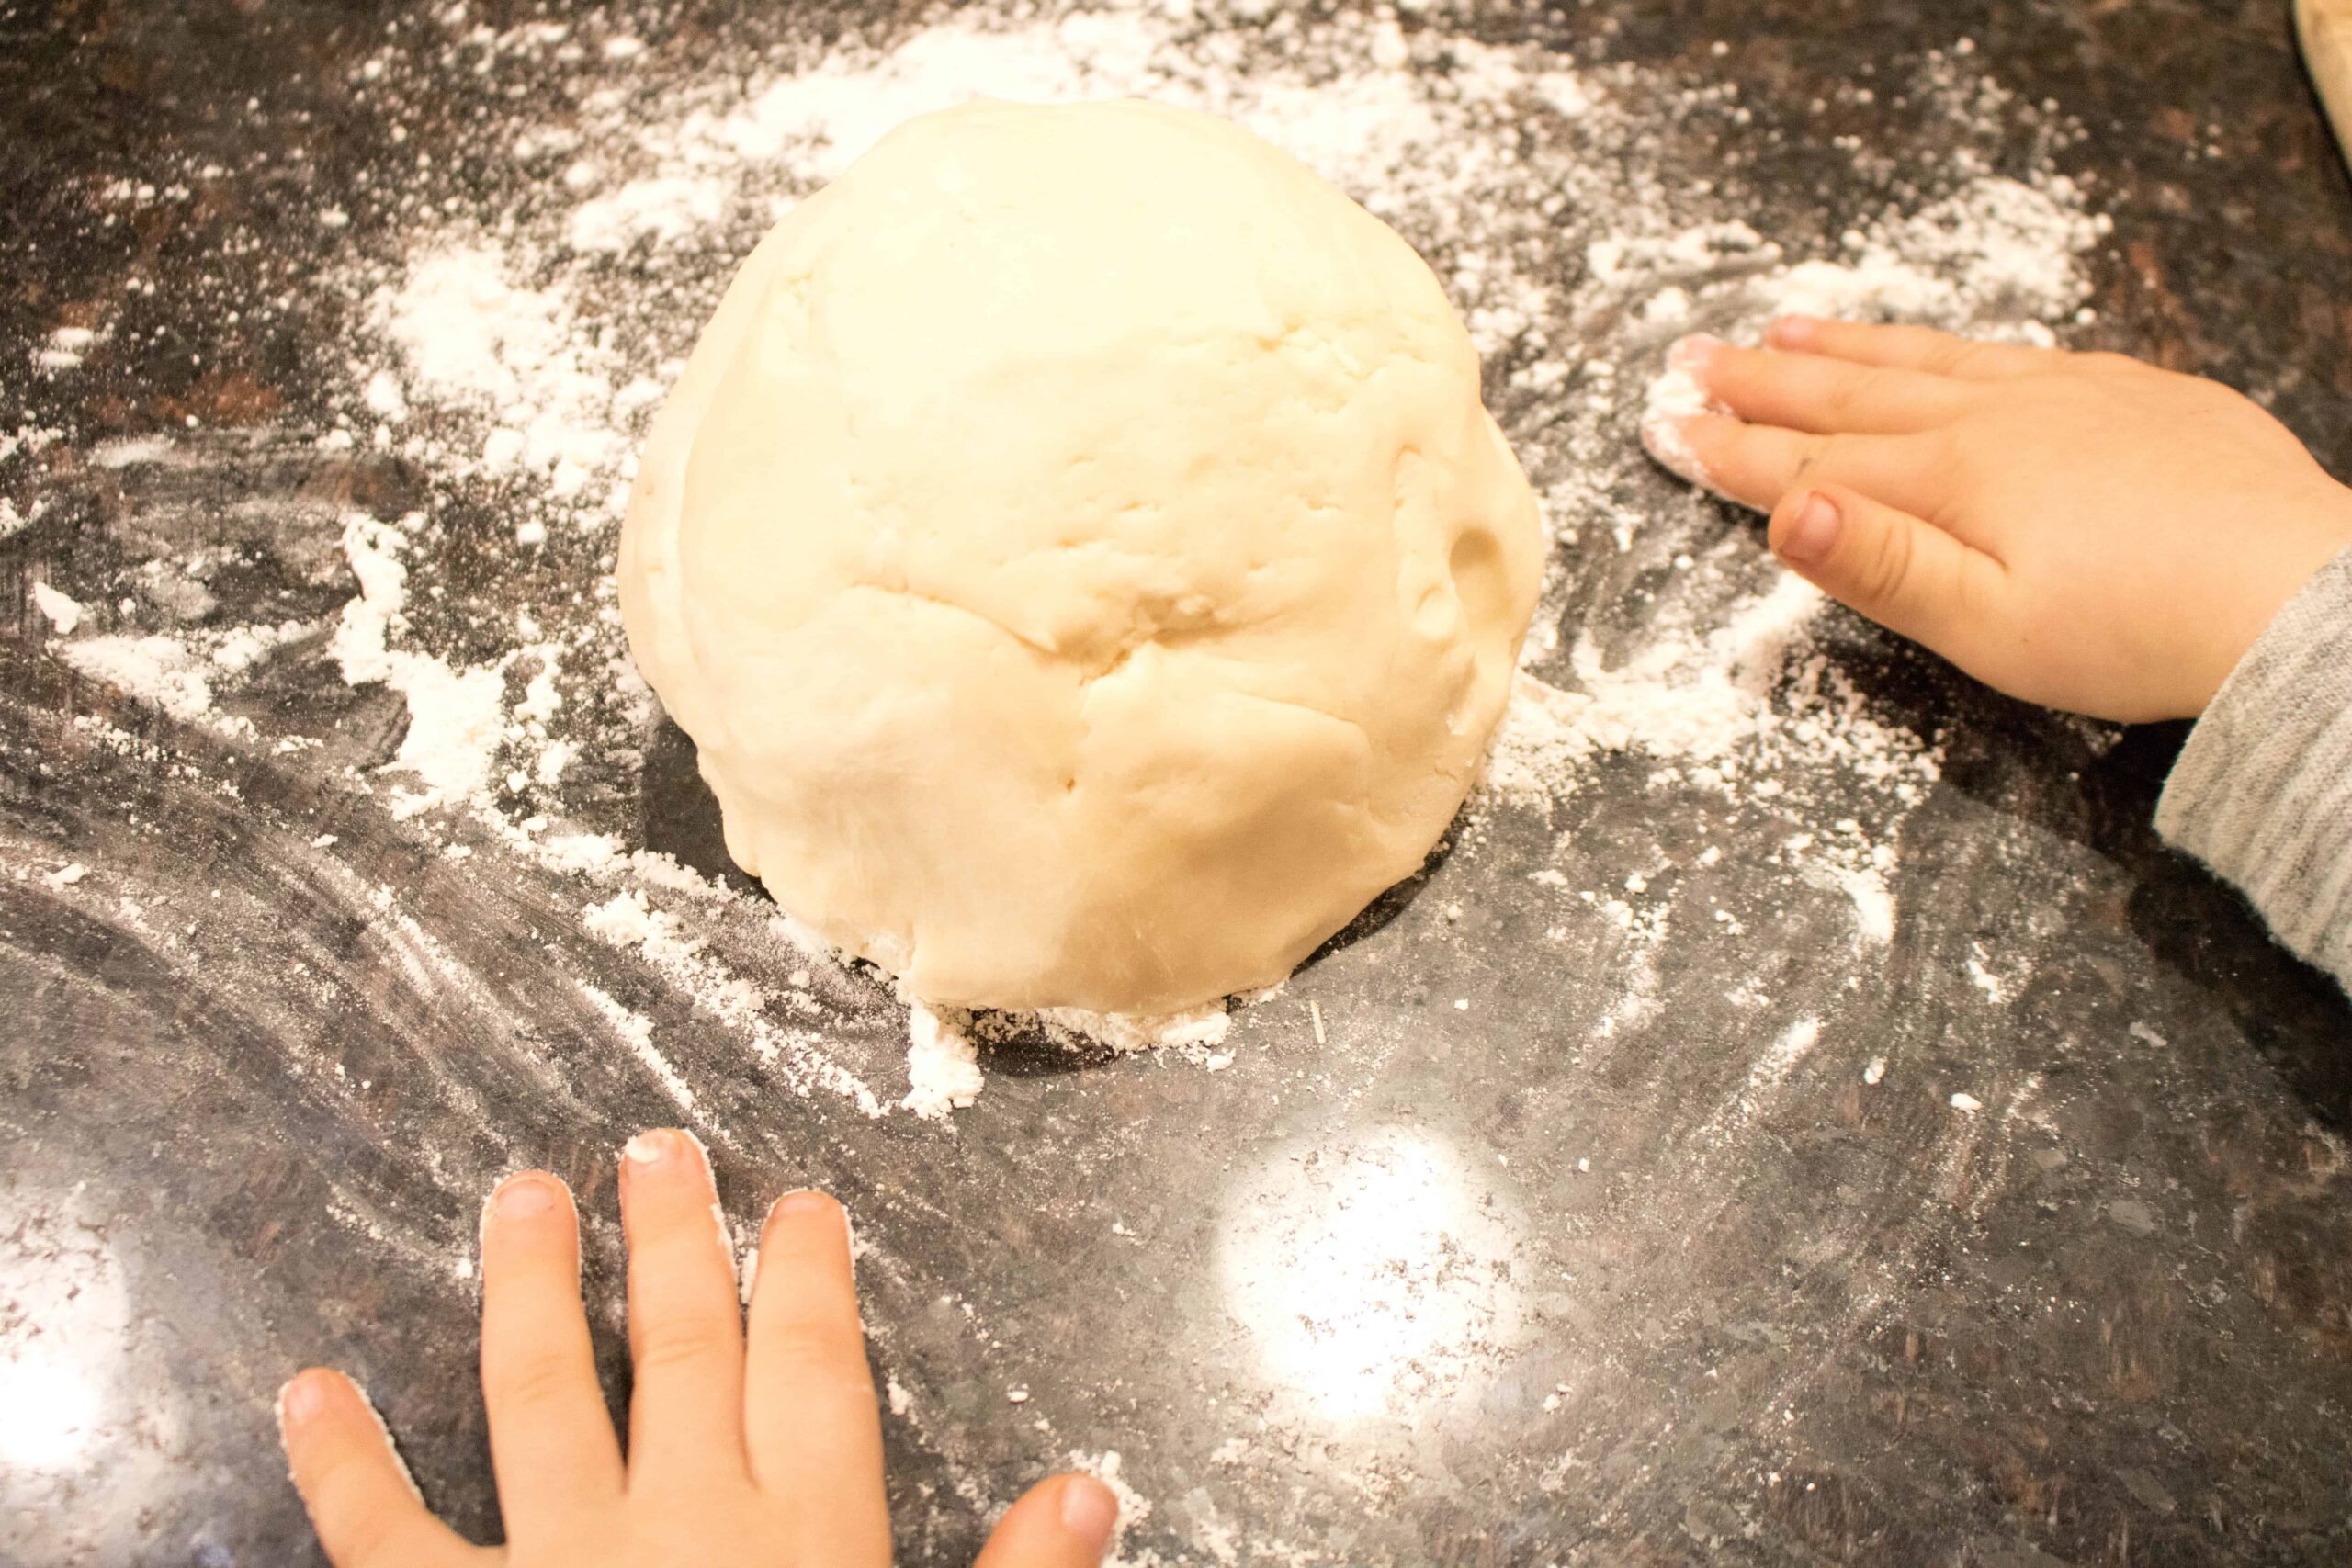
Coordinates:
[1079,554]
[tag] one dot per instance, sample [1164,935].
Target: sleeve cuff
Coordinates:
[2262,793]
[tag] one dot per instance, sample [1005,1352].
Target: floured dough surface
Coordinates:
[1081,556]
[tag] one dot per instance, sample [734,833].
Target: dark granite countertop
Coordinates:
[2104,1318]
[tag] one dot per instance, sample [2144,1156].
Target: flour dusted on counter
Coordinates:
[943,1063]
[159,670]
[1730,708]
[943,1044]
[666,939]
[63,613]
[516,357]
[517,323]
[637,1030]
[1691,724]
[1995,259]
[455,717]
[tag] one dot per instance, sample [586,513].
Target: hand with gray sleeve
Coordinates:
[2080,530]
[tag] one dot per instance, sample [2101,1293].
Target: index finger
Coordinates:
[1907,348]
[1819,393]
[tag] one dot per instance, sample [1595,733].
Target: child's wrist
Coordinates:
[2312,539]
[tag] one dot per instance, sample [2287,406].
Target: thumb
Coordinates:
[1064,1522]
[1908,576]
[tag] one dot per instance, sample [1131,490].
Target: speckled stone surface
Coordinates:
[2106,1318]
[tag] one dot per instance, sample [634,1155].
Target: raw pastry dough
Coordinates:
[1078,551]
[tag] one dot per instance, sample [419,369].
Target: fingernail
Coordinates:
[522,1195]
[1793,332]
[1089,1511]
[1692,353]
[302,1398]
[653,1147]
[799,1200]
[1812,533]
[808,1200]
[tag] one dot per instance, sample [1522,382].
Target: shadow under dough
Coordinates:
[681,819]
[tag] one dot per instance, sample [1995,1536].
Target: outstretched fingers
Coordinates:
[359,1495]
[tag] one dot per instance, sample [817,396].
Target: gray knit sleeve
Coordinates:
[2262,791]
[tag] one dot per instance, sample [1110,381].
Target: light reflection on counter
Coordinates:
[49,1411]
[91,1430]
[61,1343]
[1369,1273]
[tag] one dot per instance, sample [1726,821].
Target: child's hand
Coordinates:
[756,1451]
[2079,530]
